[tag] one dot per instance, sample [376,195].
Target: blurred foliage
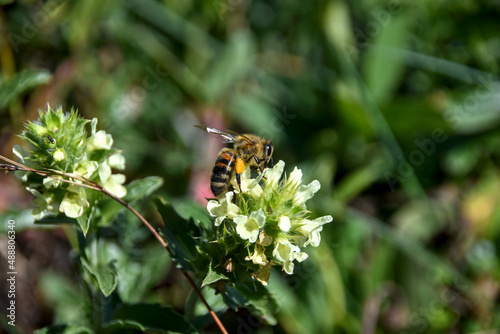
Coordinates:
[392,106]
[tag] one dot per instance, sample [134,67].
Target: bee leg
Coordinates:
[268,163]
[238,180]
[239,168]
[257,161]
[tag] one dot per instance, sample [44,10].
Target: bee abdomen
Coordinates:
[221,173]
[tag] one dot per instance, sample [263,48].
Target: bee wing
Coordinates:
[226,136]
[238,134]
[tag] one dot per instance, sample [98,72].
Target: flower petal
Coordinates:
[222,208]
[117,161]
[284,223]
[248,227]
[258,256]
[93,125]
[262,275]
[73,205]
[59,155]
[86,168]
[259,217]
[51,182]
[219,220]
[215,208]
[301,256]
[231,208]
[283,250]
[295,178]
[114,185]
[273,175]
[103,140]
[311,230]
[288,267]
[306,192]
[264,239]
[104,172]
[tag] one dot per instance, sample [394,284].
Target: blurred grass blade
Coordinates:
[20,83]
[383,74]
[233,64]
[175,25]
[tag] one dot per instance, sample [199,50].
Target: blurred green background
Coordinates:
[392,105]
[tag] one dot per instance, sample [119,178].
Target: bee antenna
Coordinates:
[239,134]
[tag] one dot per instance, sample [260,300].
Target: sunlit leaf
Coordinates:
[104,274]
[212,277]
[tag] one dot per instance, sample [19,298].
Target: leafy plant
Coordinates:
[69,172]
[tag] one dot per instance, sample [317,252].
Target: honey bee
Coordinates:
[248,150]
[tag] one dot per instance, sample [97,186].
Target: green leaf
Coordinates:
[138,276]
[63,329]
[104,274]
[20,83]
[137,189]
[148,317]
[190,210]
[141,188]
[212,277]
[59,219]
[254,297]
[85,220]
[180,234]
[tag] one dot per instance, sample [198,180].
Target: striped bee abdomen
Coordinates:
[221,174]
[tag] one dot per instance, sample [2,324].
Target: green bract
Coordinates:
[271,222]
[59,143]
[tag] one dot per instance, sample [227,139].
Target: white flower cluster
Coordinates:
[272,220]
[94,162]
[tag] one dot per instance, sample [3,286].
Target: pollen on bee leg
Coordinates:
[240,166]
